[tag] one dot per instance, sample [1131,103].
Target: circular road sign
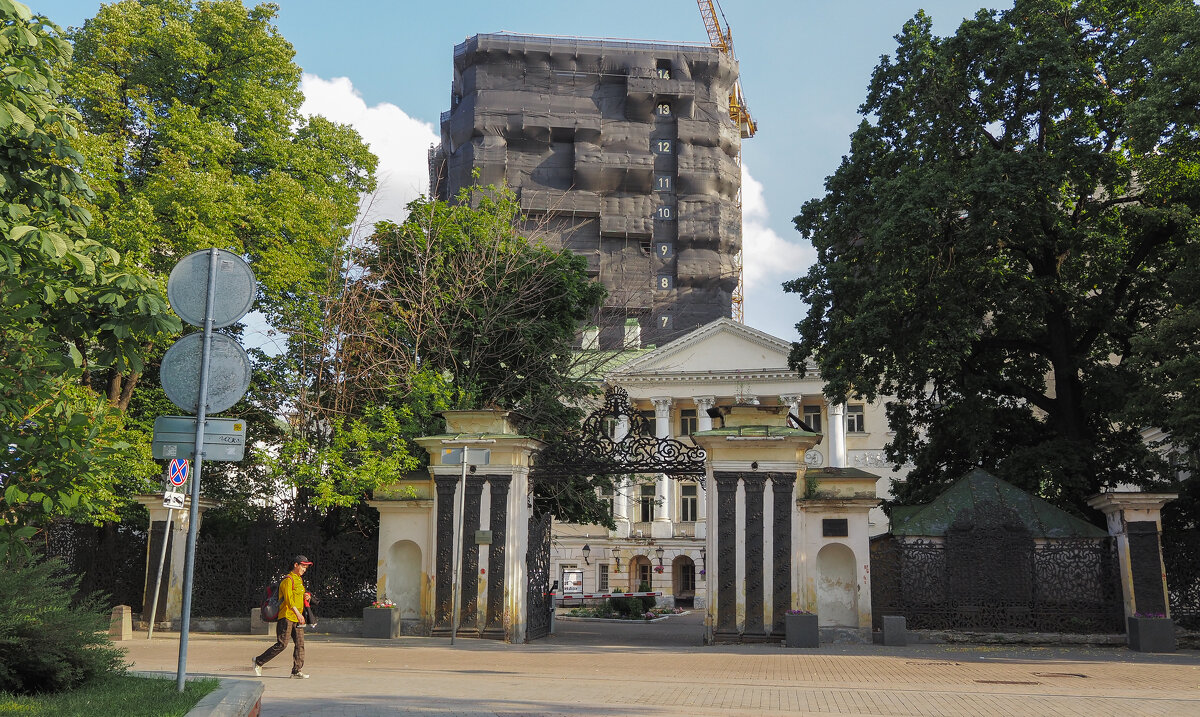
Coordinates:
[187,288]
[228,372]
[178,471]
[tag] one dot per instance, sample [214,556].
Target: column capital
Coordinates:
[790,398]
[662,404]
[703,403]
[837,409]
[1113,501]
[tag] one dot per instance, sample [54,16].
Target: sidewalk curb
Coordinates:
[233,698]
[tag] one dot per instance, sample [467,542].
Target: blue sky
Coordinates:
[385,66]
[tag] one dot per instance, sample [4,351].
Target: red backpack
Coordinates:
[268,611]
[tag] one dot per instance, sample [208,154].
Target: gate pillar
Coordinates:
[754,468]
[493,529]
[1134,519]
[170,594]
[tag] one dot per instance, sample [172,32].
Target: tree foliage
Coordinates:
[62,293]
[193,138]
[1007,239]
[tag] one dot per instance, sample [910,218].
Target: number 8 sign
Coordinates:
[177,471]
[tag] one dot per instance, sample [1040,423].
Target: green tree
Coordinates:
[994,250]
[193,139]
[59,290]
[451,308]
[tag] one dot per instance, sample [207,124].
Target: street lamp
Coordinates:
[617,557]
[587,550]
[461,511]
[659,552]
[703,559]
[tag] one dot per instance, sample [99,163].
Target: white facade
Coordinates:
[718,365]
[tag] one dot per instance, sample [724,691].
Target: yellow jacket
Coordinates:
[291,595]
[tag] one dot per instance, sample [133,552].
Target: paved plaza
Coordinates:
[662,669]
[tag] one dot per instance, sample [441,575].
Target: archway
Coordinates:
[683,581]
[837,587]
[404,578]
[640,571]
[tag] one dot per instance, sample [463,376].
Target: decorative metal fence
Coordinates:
[997,583]
[109,558]
[1181,556]
[236,560]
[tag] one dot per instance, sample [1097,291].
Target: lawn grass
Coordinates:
[124,696]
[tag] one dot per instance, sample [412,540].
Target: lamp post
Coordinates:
[587,550]
[461,521]
[659,552]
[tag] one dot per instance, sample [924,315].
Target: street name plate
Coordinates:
[175,437]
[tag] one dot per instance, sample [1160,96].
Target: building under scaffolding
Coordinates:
[621,151]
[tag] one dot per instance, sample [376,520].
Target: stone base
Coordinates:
[382,623]
[894,632]
[801,631]
[1151,634]
[258,627]
[120,623]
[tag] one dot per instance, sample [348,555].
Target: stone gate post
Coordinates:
[170,594]
[1134,519]
[754,465]
[494,527]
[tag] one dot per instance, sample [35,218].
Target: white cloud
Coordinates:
[768,260]
[400,141]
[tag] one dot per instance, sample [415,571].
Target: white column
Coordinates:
[792,401]
[620,501]
[662,429]
[704,422]
[837,435]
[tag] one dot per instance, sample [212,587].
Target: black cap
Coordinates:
[302,560]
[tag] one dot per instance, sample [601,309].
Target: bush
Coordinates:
[646,602]
[46,643]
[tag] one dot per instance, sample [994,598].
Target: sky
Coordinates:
[384,66]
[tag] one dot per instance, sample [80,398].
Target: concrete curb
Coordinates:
[233,698]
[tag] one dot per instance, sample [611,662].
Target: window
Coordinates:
[812,416]
[687,421]
[855,422]
[649,427]
[646,504]
[689,502]
[606,496]
[602,577]
[687,578]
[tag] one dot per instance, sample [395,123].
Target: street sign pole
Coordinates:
[193,514]
[162,559]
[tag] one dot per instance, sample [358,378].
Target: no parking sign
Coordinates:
[178,471]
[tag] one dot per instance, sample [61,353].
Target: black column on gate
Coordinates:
[754,484]
[468,618]
[726,554]
[782,486]
[496,556]
[1145,567]
[444,559]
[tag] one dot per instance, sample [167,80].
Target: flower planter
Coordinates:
[381,622]
[801,631]
[1151,634]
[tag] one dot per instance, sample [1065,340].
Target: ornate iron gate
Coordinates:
[538,602]
[1181,556]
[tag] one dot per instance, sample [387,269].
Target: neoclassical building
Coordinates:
[680,389]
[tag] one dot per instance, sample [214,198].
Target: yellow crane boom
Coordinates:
[723,41]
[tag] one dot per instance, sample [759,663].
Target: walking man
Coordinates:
[291,620]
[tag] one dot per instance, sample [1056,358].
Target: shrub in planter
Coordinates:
[46,643]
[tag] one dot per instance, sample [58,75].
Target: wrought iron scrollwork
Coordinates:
[616,440]
[537,562]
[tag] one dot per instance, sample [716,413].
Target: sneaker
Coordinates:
[257,667]
[299,676]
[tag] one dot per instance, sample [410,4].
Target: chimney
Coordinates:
[633,334]
[591,338]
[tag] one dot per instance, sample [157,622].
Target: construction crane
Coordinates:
[722,39]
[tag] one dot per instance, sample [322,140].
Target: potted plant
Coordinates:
[800,629]
[1150,632]
[381,620]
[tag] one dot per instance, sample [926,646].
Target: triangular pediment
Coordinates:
[720,347]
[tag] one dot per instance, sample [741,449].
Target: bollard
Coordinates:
[120,624]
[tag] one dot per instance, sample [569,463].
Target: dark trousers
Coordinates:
[284,630]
